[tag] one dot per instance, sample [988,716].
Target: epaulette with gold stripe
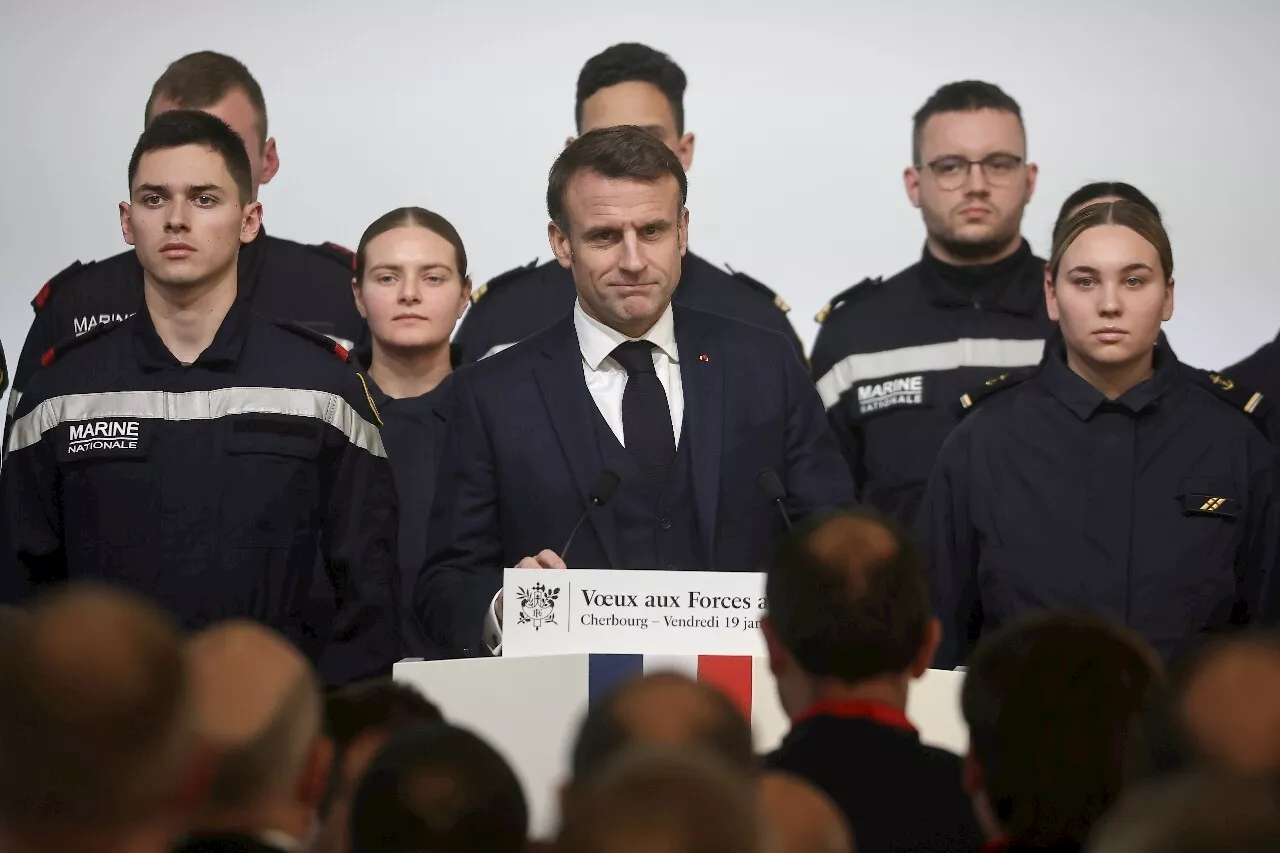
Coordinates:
[992,386]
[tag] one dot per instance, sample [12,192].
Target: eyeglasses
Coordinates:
[951,172]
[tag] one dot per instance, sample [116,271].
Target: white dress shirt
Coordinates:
[606,381]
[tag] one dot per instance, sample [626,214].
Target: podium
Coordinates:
[530,708]
[572,636]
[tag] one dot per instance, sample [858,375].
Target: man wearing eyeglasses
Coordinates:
[894,357]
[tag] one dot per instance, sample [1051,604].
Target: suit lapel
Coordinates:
[702,375]
[558,372]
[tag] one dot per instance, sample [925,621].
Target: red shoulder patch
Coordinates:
[42,298]
[49,357]
[339,253]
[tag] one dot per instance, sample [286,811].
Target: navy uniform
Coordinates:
[892,357]
[4,372]
[1158,509]
[413,431]
[1261,370]
[214,489]
[279,279]
[528,299]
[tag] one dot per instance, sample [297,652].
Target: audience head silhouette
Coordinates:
[1193,814]
[361,717]
[95,729]
[1051,702]
[439,788]
[663,798]
[848,610]
[799,818]
[663,709]
[259,710]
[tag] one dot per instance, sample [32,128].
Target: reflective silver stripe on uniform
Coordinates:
[332,409]
[966,352]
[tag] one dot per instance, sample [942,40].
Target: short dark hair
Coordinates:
[961,97]
[200,80]
[439,788]
[1051,701]
[720,728]
[625,152]
[376,705]
[1100,190]
[632,63]
[848,596]
[177,128]
[415,217]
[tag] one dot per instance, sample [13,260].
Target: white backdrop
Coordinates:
[802,111]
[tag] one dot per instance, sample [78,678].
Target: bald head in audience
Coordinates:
[665,709]
[672,799]
[1193,814]
[95,731]
[258,706]
[799,818]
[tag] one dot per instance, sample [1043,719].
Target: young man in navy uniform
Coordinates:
[200,454]
[279,278]
[892,357]
[626,84]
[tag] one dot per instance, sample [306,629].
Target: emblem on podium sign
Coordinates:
[538,605]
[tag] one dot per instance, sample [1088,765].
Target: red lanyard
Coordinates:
[876,712]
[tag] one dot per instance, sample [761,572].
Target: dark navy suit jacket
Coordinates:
[521,456]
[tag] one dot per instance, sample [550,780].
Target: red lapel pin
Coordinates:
[704,357]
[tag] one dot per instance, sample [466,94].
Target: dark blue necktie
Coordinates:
[646,416]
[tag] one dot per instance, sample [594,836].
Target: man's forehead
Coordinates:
[631,102]
[186,165]
[972,133]
[593,196]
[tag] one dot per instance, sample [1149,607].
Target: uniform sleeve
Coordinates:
[944,530]
[463,569]
[816,478]
[30,515]
[1258,564]
[40,338]
[847,431]
[358,543]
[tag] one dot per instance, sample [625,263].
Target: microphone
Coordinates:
[771,484]
[601,493]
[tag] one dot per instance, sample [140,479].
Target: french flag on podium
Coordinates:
[732,675]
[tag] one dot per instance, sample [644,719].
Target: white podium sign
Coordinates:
[593,611]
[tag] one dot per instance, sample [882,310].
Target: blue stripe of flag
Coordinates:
[605,672]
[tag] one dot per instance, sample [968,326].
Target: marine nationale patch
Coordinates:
[500,279]
[1210,505]
[844,297]
[116,438]
[891,393]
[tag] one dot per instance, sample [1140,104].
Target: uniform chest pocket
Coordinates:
[113,502]
[271,481]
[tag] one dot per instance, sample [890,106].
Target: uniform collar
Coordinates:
[1011,284]
[1084,400]
[877,712]
[224,351]
[597,341]
[249,263]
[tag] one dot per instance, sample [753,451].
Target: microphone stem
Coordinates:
[786,519]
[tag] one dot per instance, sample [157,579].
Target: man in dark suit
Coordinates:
[686,408]
[849,628]
[258,710]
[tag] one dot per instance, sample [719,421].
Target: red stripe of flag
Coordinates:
[730,675]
